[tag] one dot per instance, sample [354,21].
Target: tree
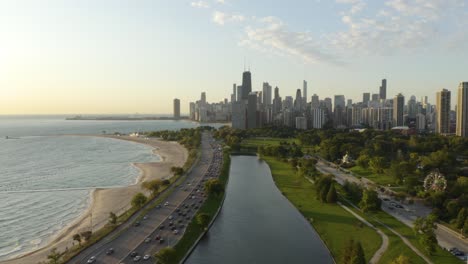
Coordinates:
[139,200]
[401,260]
[214,186]
[462,215]
[425,226]
[152,186]
[166,255]
[465,228]
[86,235]
[112,218]
[377,164]
[332,196]
[370,201]
[54,256]
[363,161]
[77,238]
[323,186]
[358,254]
[203,219]
[177,170]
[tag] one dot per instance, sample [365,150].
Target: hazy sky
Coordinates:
[115,56]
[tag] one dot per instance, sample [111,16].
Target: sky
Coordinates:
[136,56]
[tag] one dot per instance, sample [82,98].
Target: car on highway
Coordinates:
[161,240]
[171,217]
[176,232]
[137,223]
[137,258]
[91,259]
[133,254]
[148,239]
[166,203]
[161,227]
[110,251]
[146,257]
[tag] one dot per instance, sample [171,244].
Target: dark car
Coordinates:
[161,227]
[161,240]
[137,223]
[133,254]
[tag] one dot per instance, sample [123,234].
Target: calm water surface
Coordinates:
[257,224]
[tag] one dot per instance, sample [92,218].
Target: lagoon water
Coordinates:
[257,224]
[46,180]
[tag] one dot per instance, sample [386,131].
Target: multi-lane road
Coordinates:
[134,240]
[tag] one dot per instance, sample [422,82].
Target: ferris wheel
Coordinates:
[435,181]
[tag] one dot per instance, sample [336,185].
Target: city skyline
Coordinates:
[54,60]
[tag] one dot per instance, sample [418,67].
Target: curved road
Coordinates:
[128,237]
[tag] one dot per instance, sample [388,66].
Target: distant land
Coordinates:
[126,118]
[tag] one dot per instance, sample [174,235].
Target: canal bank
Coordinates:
[257,224]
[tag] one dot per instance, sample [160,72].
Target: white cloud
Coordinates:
[400,25]
[356,5]
[222,18]
[221,2]
[271,35]
[200,4]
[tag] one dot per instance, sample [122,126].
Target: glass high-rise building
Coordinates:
[462,110]
[246,84]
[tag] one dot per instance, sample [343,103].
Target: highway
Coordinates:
[188,196]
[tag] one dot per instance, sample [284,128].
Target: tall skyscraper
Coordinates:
[203,97]
[266,94]
[340,101]
[304,93]
[365,98]
[412,107]
[176,108]
[239,93]
[383,90]
[246,84]
[252,110]
[443,112]
[375,97]
[398,109]
[234,93]
[315,101]
[462,110]
[298,101]
[277,105]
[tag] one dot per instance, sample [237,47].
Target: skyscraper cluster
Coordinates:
[252,109]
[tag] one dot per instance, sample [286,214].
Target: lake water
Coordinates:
[46,180]
[257,224]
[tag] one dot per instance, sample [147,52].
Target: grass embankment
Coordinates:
[334,225]
[122,218]
[210,207]
[379,178]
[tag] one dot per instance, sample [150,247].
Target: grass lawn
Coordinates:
[334,225]
[381,179]
[255,142]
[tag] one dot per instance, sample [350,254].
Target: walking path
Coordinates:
[379,253]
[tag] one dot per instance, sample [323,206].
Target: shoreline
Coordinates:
[102,201]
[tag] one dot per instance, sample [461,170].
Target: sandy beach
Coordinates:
[117,200]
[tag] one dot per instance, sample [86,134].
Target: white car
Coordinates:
[176,232]
[137,258]
[166,203]
[171,217]
[92,259]
[148,239]
[146,257]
